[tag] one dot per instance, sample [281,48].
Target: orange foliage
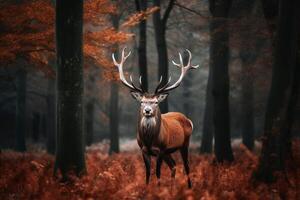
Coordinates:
[137,17]
[121,176]
[31,30]
[30,35]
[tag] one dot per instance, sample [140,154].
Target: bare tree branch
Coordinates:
[191,10]
[167,12]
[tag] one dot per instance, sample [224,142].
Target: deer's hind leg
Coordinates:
[171,164]
[184,151]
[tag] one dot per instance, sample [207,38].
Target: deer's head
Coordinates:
[150,101]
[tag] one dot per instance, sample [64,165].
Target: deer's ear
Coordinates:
[136,95]
[162,97]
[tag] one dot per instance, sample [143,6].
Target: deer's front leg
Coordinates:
[147,161]
[158,167]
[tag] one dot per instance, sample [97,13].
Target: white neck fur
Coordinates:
[148,122]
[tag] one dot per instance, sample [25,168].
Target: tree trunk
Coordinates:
[51,117]
[89,122]
[285,146]
[36,122]
[280,92]
[114,118]
[285,149]
[141,5]
[70,144]
[161,45]
[248,55]
[270,9]
[208,127]
[21,110]
[163,68]
[44,125]
[247,118]
[219,58]
[114,104]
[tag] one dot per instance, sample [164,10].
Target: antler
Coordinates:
[165,88]
[121,73]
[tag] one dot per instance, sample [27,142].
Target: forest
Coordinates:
[150,99]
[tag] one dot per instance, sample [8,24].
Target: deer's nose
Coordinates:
[147,110]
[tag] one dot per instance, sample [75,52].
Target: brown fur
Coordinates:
[171,132]
[160,135]
[175,130]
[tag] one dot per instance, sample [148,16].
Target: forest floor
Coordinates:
[121,176]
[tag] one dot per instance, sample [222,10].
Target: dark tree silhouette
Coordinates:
[219,56]
[114,118]
[208,127]
[70,142]
[160,26]
[89,122]
[141,5]
[280,92]
[248,57]
[247,99]
[36,121]
[270,9]
[285,147]
[114,103]
[51,116]
[21,110]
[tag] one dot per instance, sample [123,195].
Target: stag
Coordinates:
[158,134]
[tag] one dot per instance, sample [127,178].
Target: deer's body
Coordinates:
[160,134]
[167,132]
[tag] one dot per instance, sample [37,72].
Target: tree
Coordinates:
[284,56]
[208,126]
[51,116]
[142,15]
[34,43]
[69,39]
[248,49]
[89,122]
[114,103]
[160,27]
[114,118]
[21,110]
[219,56]
[285,146]
[19,38]
[141,6]
[92,75]
[247,99]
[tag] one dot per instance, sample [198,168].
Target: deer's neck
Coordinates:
[149,128]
